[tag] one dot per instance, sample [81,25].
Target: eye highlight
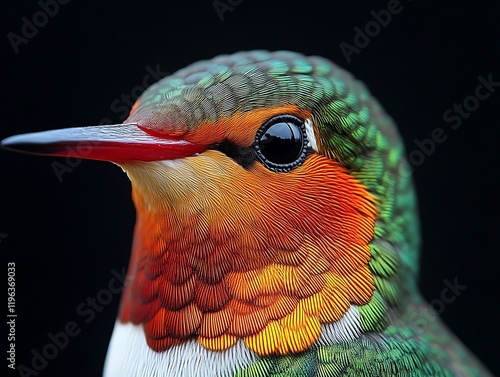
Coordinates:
[281,143]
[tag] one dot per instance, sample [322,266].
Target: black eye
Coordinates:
[281,143]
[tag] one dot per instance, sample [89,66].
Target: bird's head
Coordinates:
[270,204]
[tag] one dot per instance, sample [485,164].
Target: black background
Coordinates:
[66,237]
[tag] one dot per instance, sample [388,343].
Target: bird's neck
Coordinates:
[252,267]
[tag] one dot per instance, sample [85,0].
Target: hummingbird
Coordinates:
[277,232]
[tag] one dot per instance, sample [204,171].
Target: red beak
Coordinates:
[117,143]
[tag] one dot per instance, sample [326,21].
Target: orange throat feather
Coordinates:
[222,253]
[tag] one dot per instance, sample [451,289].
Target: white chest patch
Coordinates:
[345,329]
[130,356]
